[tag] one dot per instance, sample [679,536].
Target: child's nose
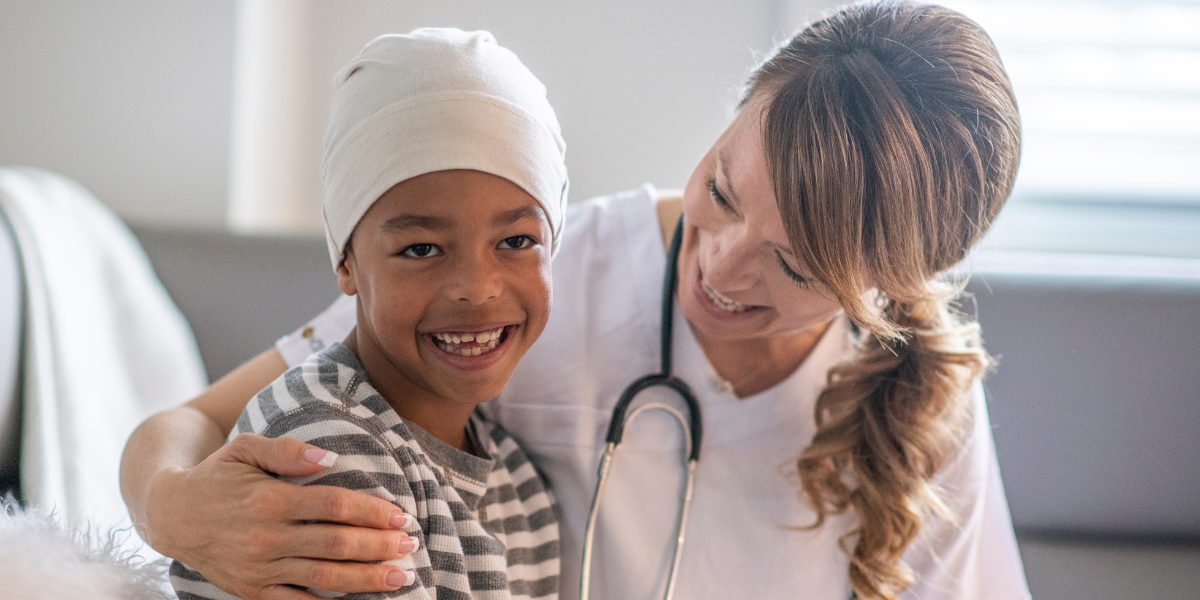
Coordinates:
[476,280]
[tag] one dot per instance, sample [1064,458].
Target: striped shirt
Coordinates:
[486,526]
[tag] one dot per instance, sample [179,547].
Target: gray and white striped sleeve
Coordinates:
[300,405]
[305,405]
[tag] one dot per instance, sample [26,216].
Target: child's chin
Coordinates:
[475,396]
[479,391]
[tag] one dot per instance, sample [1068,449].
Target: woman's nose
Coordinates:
[730,262]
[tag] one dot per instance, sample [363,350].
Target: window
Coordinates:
[1109,93]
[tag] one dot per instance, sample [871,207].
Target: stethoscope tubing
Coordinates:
[692,425]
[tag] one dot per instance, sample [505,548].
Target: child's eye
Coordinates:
[517,242]
[421,251]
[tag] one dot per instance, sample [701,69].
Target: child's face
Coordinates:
[438,260]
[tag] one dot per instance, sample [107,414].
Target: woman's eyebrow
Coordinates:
[529,211]
[728,191]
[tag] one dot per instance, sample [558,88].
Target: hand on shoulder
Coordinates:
[253,535]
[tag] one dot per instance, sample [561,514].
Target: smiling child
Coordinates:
[445,190]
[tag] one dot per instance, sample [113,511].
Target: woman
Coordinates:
[847,448]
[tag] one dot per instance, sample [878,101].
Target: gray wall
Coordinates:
[132,97]
[129,97]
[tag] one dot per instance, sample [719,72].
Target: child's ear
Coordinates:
[346,274]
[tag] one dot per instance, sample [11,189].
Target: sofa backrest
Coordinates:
[1096,400]
[241,293]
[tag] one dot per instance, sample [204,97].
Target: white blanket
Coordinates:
[103,346]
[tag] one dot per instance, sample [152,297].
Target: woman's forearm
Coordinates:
[166,443]
[178,439]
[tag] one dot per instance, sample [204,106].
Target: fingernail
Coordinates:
[409,545]
[400,520]
[325,458]
[401,578]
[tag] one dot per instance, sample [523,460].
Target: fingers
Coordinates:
[339,542]
[338,505]
[282,456]
[286,456]
[344,577]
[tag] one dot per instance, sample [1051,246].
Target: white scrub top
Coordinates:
[745,536]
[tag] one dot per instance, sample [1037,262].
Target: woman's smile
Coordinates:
[719,306]
[721,301]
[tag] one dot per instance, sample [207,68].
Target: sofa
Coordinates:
[1095,404]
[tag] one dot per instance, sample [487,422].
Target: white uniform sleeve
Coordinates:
[332,325]
[977,557]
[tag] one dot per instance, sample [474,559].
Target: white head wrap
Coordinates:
[432,100]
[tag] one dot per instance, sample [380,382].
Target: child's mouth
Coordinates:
[471,343]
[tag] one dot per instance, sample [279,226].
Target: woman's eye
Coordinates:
[421,251]
[717,197]
[797,278]
[516,242]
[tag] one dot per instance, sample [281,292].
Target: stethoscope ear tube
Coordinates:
[695,424]
[693,427]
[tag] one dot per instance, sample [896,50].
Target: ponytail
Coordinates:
[892,139]
[886,423]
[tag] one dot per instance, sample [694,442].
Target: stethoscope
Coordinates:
[692,426]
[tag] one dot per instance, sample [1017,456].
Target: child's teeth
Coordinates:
[486,340]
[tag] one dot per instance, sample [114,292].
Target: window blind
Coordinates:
[1109,93]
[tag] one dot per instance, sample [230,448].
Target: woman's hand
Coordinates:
[255,536]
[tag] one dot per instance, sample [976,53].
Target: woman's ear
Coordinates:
[347,273]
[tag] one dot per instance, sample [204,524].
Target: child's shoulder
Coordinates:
[330,384]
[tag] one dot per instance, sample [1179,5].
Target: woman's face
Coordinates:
[738,278]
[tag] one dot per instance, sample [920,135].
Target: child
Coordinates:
[445,190]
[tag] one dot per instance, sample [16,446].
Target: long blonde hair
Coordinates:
[892,139]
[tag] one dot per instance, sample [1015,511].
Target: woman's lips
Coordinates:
[718,306]
[722,302]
